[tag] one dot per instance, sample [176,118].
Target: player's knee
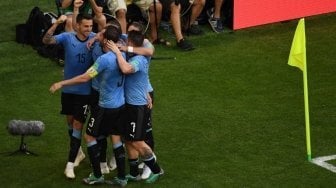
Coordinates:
[117,145]
[88,138]
[149,155]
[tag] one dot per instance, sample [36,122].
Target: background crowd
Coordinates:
[183,16]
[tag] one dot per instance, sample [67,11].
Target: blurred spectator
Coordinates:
[87,7]
[214,14]
[118,9]
[173,9]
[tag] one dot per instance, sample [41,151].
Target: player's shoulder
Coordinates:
[147,44]
[141,58]
[69,33]
[108,57]
[92,34]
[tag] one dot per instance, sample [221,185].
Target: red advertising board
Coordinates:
[249,13]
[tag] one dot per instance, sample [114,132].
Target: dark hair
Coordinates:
[112,33]
[81,17]
[114,22]
[136,37]
[137,25]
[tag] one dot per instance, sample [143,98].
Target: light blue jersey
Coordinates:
[124,38]
[148,44]
[77,60]
[150,87]
[136,84]
[111,81]
[97,51]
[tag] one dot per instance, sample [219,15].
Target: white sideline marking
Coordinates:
[321,161]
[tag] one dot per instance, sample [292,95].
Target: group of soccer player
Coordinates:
[106,85]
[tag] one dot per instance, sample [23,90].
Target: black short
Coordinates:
[75,105]
[94,98]
[135,122]
[106,121]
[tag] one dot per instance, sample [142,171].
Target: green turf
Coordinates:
[228,114]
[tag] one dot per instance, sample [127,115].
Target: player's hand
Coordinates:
[122,47]
[61,19]
[56,86]
[78,3]
[149,102]
[112,46]
[150,105]
[99,10]
[90,43]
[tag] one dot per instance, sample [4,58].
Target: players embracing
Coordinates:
[135,88]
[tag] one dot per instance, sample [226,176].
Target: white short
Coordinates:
[143,4]
[115,5]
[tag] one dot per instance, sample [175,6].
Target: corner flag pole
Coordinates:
[297,58]
[305,91]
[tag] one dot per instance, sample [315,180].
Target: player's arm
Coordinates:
[146,50]
[88,75]
[138,50]
[125,67]
[48,38]
[96,9]
[149,101]
[91,41]
[77,4]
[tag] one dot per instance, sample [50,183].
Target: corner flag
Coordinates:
[297,55]
[297,58]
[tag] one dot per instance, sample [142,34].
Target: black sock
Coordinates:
[150,140]
[119,154]
[94,154]
[75,143]
[153,165]
[103,147]
[133,164]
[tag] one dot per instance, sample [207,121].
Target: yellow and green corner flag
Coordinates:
[297,55]
[297,58]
